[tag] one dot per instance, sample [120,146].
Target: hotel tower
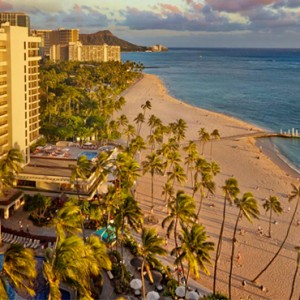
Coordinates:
[19,85]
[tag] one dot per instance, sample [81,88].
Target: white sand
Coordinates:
[237,156]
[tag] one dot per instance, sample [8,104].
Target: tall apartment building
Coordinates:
[15,19]
[19,89]
[44,34]
[63,36]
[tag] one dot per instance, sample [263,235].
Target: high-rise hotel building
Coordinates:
[19,85]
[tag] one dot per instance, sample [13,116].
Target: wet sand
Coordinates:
[237,154]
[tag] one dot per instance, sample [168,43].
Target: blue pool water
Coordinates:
[40,286]
[260,86]
[89,155]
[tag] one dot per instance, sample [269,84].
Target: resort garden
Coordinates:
[82,102]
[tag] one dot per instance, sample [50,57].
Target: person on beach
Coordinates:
[239,257]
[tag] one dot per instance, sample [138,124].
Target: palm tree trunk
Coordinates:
[82,221]
[200,204]
[0,234]
[219,247]
[270,221]
[143,279]
[281,246]
[152,199]
[294,281]
[232,254]
[176,245]
[186,282]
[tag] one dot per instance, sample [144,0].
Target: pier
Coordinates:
[294,133]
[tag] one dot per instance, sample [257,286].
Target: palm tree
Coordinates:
[146,105]
[173,157]
[182,212]
[10,166]
[126,170]
[80,171]
[152,164]
[129,132]
[151,246]
[12,162]
[204,137]
[195,249]
[273,205]
[181,127]
[297,248]
[216,136]
[136,145]
[127,215]
[248,208]
[295,194]
[64,264]
[19,269]
[177,174]
[168,191]
[190,159]
[231,191]
[139,120]
[67,221]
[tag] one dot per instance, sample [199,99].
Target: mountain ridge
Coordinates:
[106,37]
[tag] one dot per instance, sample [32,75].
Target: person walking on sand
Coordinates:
[239,257]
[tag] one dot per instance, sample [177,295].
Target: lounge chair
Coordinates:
[9,238]
[14,239]
[18,240]
[4,236]
[33,243]
[29,243]
[37,244]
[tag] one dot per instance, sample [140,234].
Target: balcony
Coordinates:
[4,123]
[3,143]
[3,113]
[3,83]
[3,104]
[3,133]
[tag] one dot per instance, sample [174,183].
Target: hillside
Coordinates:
[106,37]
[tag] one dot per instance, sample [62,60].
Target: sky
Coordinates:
[173,23]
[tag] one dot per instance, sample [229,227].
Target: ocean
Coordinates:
[260,86]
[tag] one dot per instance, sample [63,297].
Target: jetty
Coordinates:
[294,134]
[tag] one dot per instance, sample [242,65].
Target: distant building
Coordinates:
[55,39]
[75,51]
[158,48]
[63,45]
[44,34]
[19,86]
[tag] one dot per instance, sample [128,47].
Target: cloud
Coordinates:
[173,19]
[239,5]
[5,6]
[79,16]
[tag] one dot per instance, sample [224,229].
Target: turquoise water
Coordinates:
[260,86]
[40,286]
[89,155]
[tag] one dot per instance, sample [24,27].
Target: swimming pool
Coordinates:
[40,285]
[89,155]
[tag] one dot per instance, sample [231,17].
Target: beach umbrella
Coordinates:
[192,295]
[180,291]
[136,284]
[136,262]
[152,296]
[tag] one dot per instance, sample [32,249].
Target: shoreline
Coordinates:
[239,156]
[270,152]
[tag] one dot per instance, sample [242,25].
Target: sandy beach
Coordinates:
[238,156]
